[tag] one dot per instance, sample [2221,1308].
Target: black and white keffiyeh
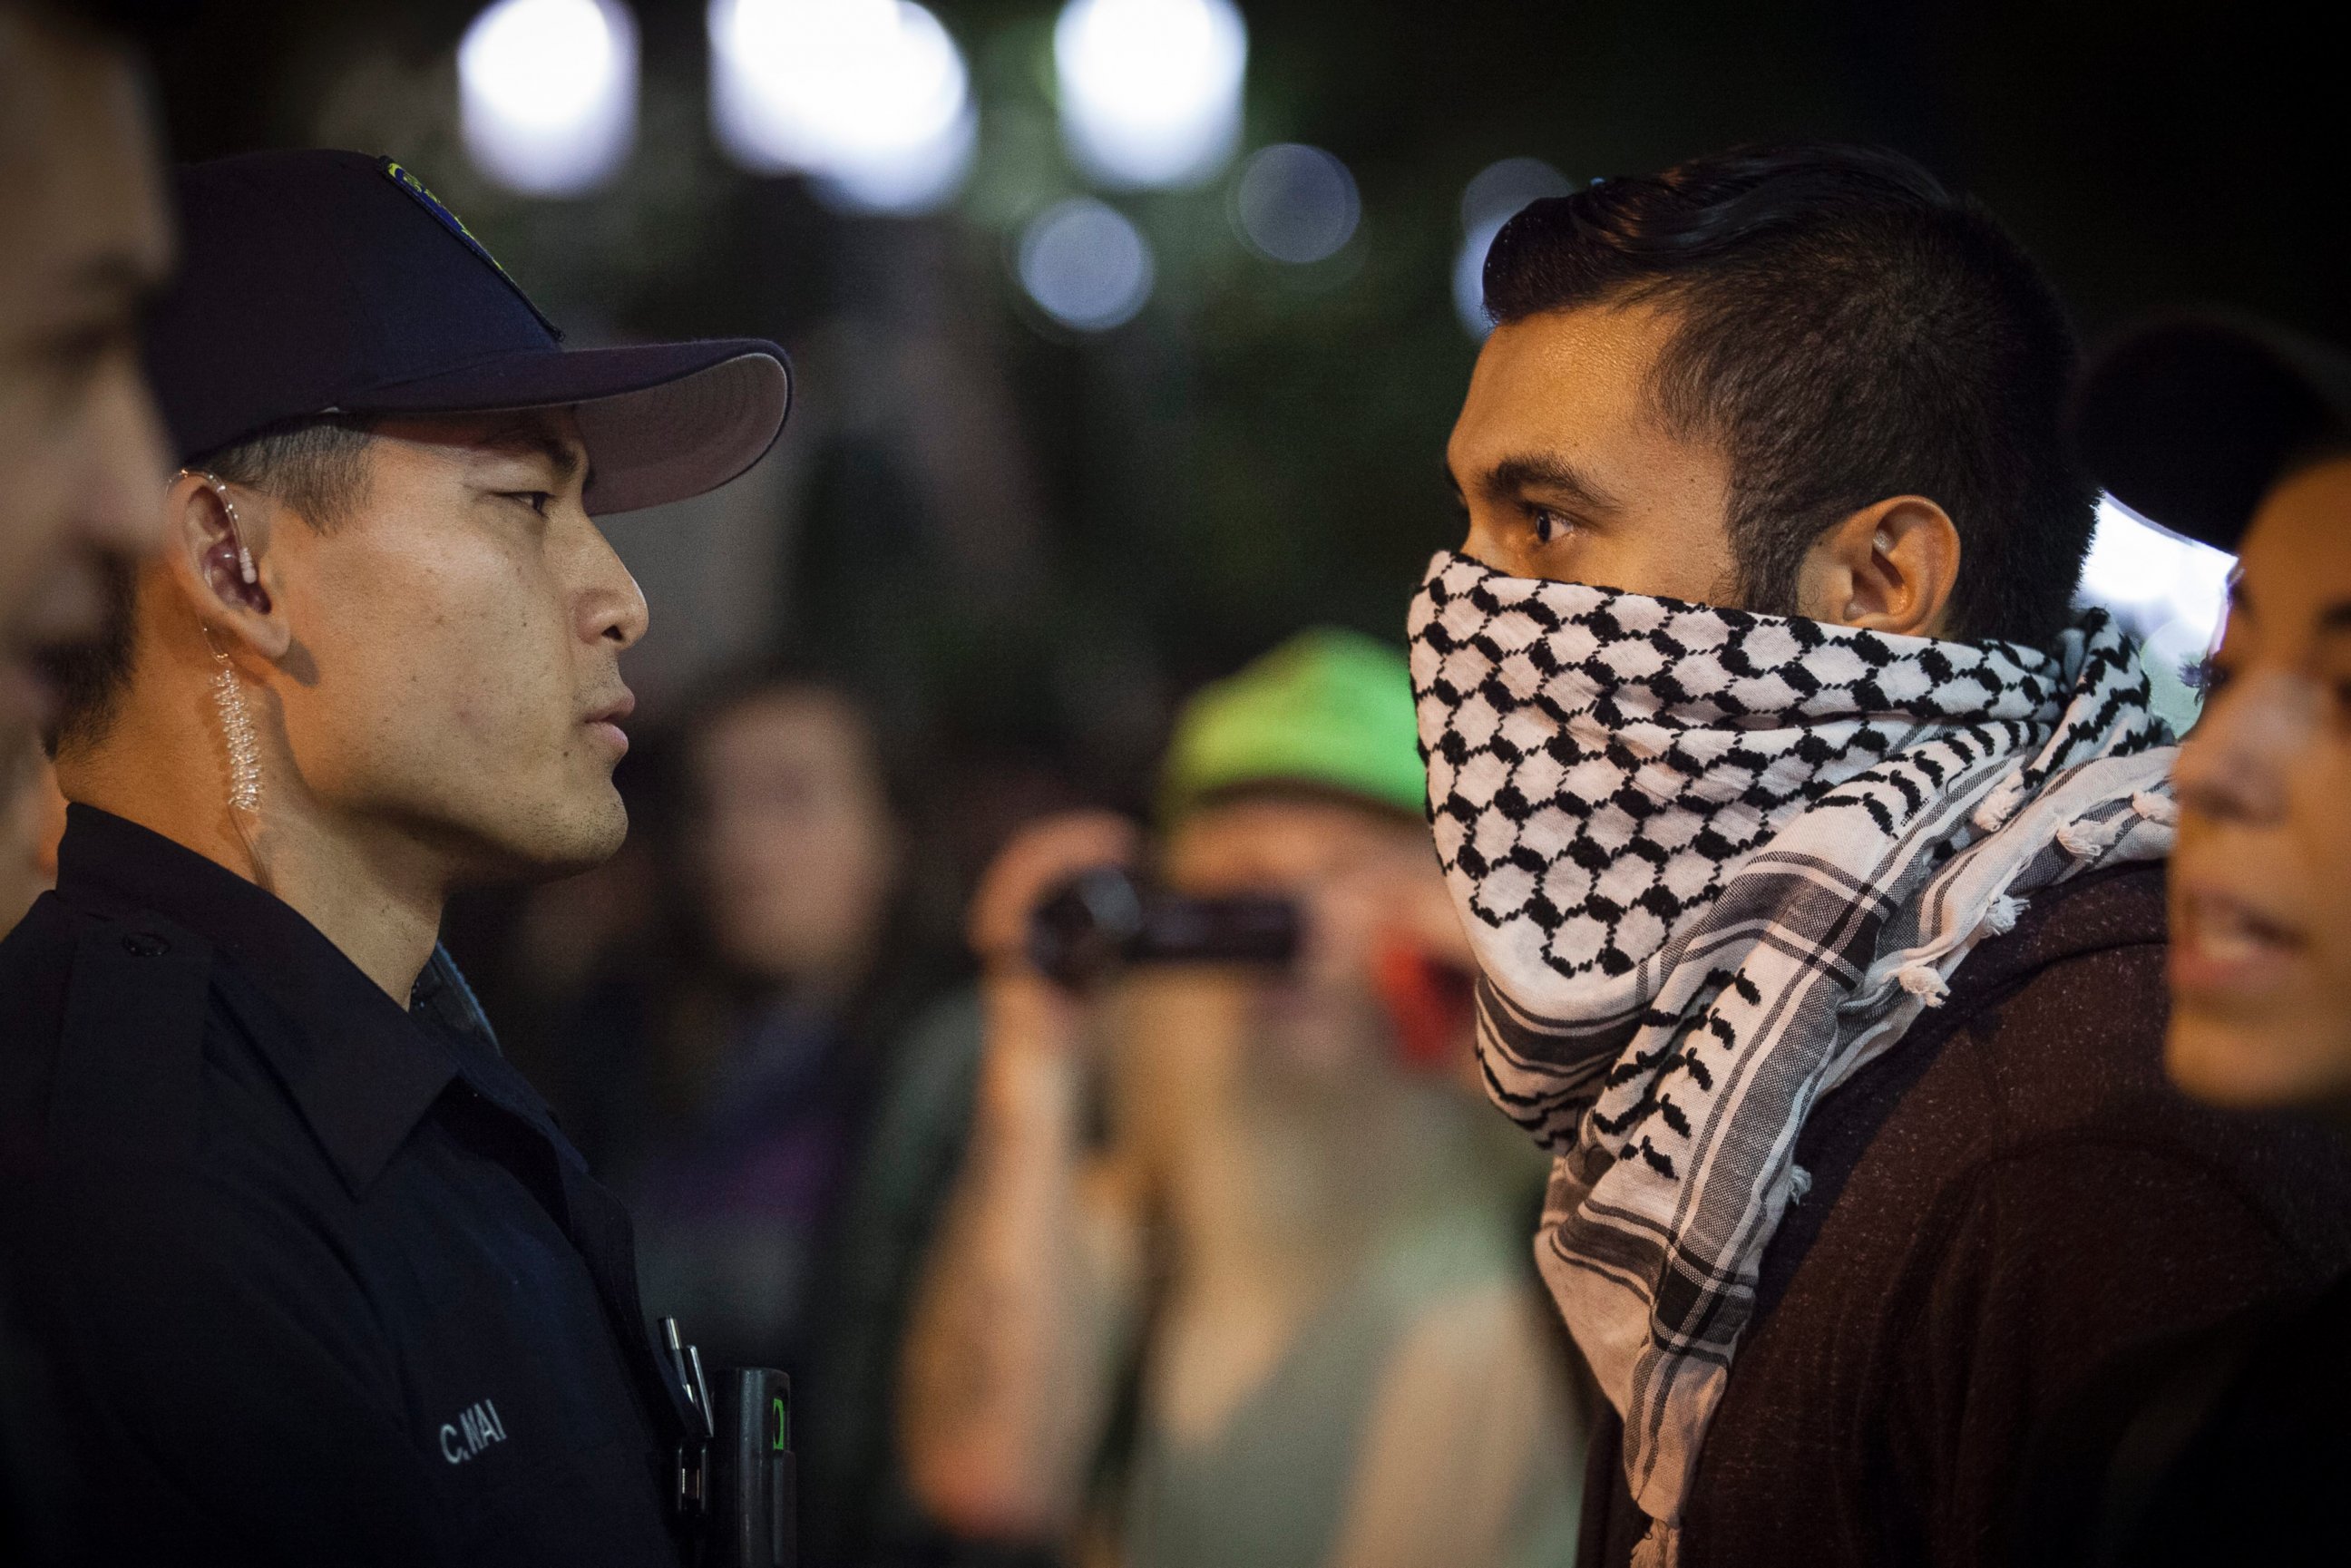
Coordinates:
[1711,863]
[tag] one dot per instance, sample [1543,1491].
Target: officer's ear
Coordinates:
[218,551]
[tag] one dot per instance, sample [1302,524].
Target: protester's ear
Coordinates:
[1890,567]
[218,538]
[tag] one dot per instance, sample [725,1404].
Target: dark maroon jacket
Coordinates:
[1999,1202]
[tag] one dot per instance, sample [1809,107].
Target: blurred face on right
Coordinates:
[2261,881]
[84,241]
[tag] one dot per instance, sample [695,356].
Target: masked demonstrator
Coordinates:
[320,1281]
[1811,844]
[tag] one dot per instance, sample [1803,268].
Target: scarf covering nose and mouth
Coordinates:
[1713,862]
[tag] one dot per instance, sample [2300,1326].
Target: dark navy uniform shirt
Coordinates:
[318,1279]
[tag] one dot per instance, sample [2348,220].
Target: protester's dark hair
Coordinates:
[317,468]
[1849,331]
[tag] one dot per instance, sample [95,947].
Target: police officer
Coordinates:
[322,1281]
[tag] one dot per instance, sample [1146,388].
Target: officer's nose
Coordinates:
[612,607]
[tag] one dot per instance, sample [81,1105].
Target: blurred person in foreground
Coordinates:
[31,820]
[1298,1230]
[1810,843]
[2233,1444]
[85,241]
[321,1280]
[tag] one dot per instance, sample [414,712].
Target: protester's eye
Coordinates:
[1547,525]
[537,500]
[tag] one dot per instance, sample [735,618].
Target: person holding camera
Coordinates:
[1256,1204]
[319,1279]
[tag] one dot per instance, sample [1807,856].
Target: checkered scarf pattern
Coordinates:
[1712,863]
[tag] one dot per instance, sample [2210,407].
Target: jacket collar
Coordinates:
[361,1069]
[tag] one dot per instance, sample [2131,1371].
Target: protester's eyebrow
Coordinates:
[1514,476]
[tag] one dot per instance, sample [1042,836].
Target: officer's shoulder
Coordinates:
[103,1015]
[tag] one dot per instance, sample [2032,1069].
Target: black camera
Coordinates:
[1101,921]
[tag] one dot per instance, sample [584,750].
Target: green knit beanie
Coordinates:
[1329,709]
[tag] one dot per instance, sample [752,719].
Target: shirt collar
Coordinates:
[362,1071]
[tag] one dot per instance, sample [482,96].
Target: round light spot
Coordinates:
[548,93]
[1151,89]
[1295,204]
[1492,199]
[1496,192]
[870,97]
[1085,264]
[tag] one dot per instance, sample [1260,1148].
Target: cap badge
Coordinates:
[399,175]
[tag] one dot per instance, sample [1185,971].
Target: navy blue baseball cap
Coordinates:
[317,283]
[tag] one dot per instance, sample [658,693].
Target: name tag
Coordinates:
[476,1428]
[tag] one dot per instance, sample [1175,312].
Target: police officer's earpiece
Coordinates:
[254,594]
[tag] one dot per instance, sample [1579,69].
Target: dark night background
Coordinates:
[1029,546]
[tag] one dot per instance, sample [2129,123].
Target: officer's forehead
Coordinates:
[550,434]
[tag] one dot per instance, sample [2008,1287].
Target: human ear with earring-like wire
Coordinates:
[244,749]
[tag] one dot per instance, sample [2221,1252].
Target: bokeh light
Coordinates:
[1491,199]
[2151,579]
[548,93]
[2167,590]
[1295,204]
[1151,89]
[871,99]
[1086,265]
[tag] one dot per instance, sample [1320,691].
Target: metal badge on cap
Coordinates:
[399,176]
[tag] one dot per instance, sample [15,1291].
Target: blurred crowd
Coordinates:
[1200,1265]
